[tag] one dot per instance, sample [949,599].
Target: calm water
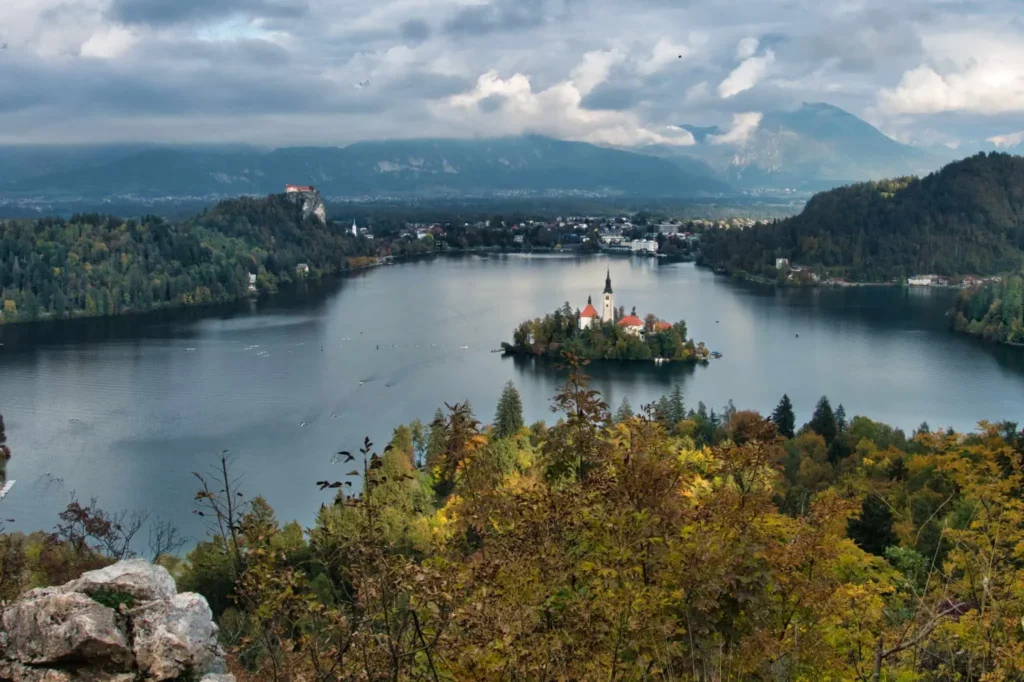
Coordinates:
[125,409]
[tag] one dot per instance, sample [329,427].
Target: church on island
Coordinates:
[589,317]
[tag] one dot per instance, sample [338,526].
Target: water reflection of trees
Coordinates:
[623,376]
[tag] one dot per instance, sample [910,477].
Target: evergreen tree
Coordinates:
[823,421]
[677,407]
[508,417]
[436,440]
[872,530]
[662,411]
[625,412]
[783,417]
[5,453]
[841,422]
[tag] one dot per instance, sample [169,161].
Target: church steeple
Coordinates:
[608,300]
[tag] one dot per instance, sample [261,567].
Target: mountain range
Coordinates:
[814,147]
[817,146]
[430,167]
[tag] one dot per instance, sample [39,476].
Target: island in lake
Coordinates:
[608,335]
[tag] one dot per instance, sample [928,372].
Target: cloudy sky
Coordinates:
[280,72]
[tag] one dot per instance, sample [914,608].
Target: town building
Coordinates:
[781,263]
[302,269]
[644,246]
[292,189]
[252,283]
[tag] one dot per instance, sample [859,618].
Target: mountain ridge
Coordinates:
[420,167]
[816,146]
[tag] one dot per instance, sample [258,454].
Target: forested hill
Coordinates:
[967,218]
[101,265]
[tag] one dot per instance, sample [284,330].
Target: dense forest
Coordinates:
[559,333]
[668,544]
[966,219]
[102,265]
[993,311]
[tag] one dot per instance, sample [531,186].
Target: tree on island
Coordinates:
[823,421]
[783,417]
[508,417]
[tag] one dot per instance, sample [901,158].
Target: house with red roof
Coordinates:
[292,189]
[589,316]
[632,324]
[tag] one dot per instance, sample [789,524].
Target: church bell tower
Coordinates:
[608,302]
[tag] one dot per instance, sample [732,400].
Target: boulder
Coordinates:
[63,634]
[174,637]
[139,578]
[53,627]
[16,672]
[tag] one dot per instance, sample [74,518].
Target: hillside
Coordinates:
[502,166]
[815,147]
[664,546]
[100,265]
[967,218]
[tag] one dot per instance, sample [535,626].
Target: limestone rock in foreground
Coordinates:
[175,636]
[16,672]
[51,627]
[139,578]
[61,634]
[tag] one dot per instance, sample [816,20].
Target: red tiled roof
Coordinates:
[589,311]
[299,188]
[631,321]
[663,326]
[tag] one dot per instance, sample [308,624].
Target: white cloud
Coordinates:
[664,53]
[1007,140]
[967,72]
[513,107]
[109,42]
[747,48]
[746,75]
[594,69]
[743,126]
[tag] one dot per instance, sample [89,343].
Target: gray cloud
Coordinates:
[158,12]
[610,98]
[246,69]
[502,15]
[414,30]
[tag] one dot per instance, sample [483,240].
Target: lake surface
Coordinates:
[124,409]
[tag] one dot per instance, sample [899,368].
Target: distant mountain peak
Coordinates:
[814,146]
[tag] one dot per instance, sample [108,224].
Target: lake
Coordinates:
[125,409]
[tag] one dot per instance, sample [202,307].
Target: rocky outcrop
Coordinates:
[74,632]
[311,202]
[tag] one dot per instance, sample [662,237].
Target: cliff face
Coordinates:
[311,203]
[122,623]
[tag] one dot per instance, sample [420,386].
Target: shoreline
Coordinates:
[508,351]
[831,284]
